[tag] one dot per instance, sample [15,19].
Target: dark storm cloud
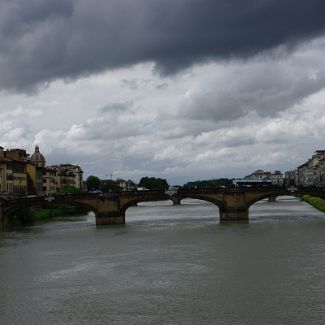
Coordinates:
[42,40]
[264,87]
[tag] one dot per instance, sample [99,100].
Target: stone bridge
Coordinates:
[234,202]
[110,209]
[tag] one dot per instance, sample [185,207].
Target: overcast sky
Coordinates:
[183,90]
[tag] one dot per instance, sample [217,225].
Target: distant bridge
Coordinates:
[110,209]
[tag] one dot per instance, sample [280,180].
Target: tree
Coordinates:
[153,183]
[212,183]
[109,187]
[93,183]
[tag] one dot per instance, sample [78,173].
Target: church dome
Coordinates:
[37,158]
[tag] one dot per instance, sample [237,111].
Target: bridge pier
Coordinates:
[2,221]
[176,200]
[234,214]
[110,218]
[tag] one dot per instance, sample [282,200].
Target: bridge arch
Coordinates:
[298,193]
[266,196]
[129,204]
[220,204]
[12,210]
[233,203]
[133,202]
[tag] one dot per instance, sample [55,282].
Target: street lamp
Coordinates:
[111,175]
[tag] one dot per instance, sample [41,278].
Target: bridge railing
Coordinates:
[232,189]
[180,191]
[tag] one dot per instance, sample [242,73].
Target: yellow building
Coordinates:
[37,158]
[35,179]
[16,174]
[3,172]
[69,176]
[13,175]
[49,181]
[31,171]
[19,176]
[35,168]
[13,172]
[6,177]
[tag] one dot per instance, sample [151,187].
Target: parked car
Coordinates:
[97,192]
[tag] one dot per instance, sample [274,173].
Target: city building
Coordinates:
[49,180]
[320,172]
[3,173]
[276,178]
[130,185]
[35,179]
[108,185]
[19,177]
[35,167]
[13,175]
[16,154]
[21,174]
[258,174]
[37,158]
[291,177]
[312,172]
[117,185]
[68,175]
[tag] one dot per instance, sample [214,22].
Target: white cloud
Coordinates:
[215,120]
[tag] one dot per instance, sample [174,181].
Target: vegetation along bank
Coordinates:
[316,202]
[64,212]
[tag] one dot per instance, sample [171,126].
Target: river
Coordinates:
[169,265]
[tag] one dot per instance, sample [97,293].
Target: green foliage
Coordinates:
[209,183]
[153,183]
[316,202]
[93,183]
[109,187]
[28,216]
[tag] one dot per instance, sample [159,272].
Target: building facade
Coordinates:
[22,174]
[276,178]
[13,175]
[49,180]
[69,175]
[312,172]
[291,178]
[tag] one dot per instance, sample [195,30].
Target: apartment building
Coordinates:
[13,175]
[277,177]
[21,174]
[312,172]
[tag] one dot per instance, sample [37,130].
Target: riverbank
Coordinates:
[316,202]
[61,213]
